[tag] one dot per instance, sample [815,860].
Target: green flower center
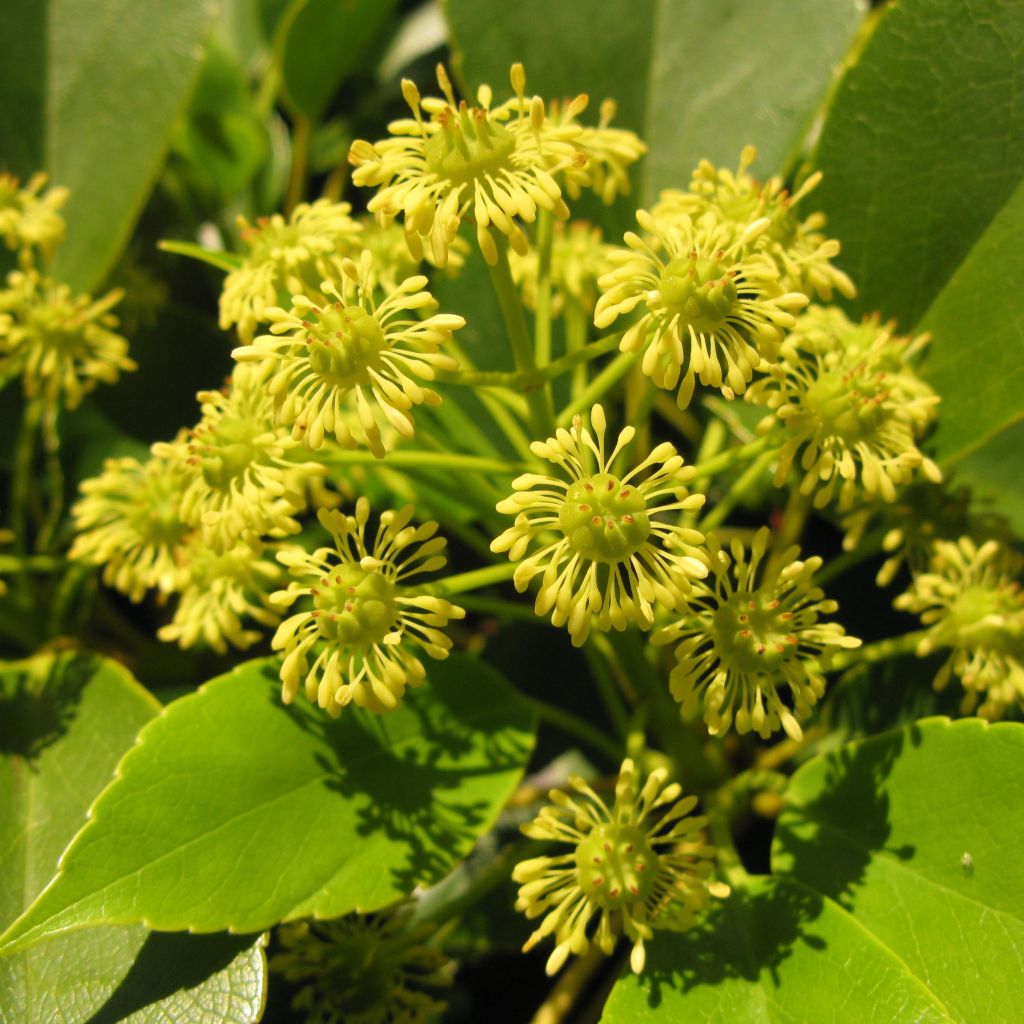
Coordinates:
[752,633]
[616,865]
[603,520]
[849,404]
[153,514]
[469,147]
[359,979]
[344,343]
[228,449]
[355,606]
[700,289]
[989,617]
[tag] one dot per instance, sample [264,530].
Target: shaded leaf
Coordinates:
[694,79]
[64,723]
[236,812]
[874,912]
[321,42]
[89,91]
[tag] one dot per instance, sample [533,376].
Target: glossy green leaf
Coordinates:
[64,723]
[923,146]
[89,90]
[923,154]
[321,42]
[234,811]
[898,895]
[694,79]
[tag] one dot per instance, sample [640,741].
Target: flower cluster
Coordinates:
[128,520]
[801,252]
[971,603]
[713,306]
[578,258]
[750,631]
[364,621]
[343,348]
[285,257]
[639,865]
[604,555]
[238,482]
[30,218]
[364,969]
[850,406]
[502,162]
[61,344]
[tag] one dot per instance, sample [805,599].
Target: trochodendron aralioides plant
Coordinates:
[634,485]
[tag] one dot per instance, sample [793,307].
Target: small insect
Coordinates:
[967,863]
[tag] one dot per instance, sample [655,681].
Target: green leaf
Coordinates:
[694,79]
[874,912]
[64,723]
[923,146]
[923,154]
[235,812]
[320,43]
[89,90]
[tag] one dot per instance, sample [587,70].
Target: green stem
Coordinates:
[596,349]
[10,565]
[724,460]
[539,402]
[597,388]
[542,324]
[301,137]
[21,484]
[611,697]
[738,493]
[473,580]
[794,518]
[682,419]
[866,548]
[880,650]
[576,331]
[54,478]
[440,904]
[498,607]
[422,460]
[576,726]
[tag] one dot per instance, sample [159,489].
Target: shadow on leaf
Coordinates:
[39,701]
[168,964]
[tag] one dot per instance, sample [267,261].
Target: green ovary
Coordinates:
[986,617]
[469,148]
[344,344]
[603,520]
[355,606]
[700,290]
[848,405]
[752,635]
[615,865]
[228,450]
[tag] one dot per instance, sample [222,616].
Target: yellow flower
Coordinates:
[347,345]
[364,968]
[500,162]
[713,309]
[578,258]
[971,603]
[801,252]
[63,345]
[364,623]
[392,261]
[610,151]
[639,865]
[748,633]
[850,405]
[237,480]
[604,550]
[128,520]
[285,257]
[218,591]
[29,217]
